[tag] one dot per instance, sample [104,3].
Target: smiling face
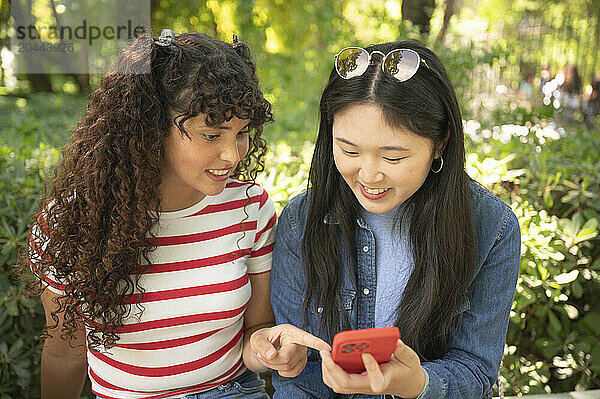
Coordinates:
[192,169]
[383,166]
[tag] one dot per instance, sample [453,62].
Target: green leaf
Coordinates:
[554,322]
[11,308]
[21,372]
[4,283]
[548,200]
[571,311]
[584,383]
[15,348]
[566,278]
[570,184]
[582,346]
[592,321]
[525,296]
[588,231]
[549,348]
[577,289]
[570,227]
[595,353]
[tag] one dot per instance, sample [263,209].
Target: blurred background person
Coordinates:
[590,106]
[569,92]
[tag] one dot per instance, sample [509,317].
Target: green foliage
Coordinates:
[552,180]
[546,32]
[20,325]
[20,317]
[29,150]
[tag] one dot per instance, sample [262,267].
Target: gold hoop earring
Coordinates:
[441,165]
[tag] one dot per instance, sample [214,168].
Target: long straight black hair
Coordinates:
[442,233]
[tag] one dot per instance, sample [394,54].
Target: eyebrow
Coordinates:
[223,127]
[385,148]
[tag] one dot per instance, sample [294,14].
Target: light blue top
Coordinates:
[393,262]
[469,368]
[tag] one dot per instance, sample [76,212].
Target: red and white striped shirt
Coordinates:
[190,334]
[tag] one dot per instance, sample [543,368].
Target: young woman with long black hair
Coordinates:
[154,244]
[393,232]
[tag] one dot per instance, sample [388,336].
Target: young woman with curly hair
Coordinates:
[153,243]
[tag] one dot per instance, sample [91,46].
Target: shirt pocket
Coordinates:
[347,297]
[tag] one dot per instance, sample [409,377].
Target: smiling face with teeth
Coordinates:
[200,165]
[383,166]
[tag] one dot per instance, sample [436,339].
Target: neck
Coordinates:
[172,200]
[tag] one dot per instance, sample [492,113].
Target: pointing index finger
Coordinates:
[301,337]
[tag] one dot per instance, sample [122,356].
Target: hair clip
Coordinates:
[166,38]
[236,41]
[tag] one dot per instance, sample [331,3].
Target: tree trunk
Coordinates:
[39,82]
[81,79]
[418,12]
[595,65]
[448,12]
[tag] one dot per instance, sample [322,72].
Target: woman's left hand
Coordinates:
[283,348]
[402,376]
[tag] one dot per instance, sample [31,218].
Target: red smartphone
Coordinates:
[349,345]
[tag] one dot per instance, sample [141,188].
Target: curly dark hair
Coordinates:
[93,226]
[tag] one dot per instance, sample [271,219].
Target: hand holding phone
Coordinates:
[349,345]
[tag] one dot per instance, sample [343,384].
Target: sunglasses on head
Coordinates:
[402,64]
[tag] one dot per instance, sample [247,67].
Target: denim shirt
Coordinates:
[469,368]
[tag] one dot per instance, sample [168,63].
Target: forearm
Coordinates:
[62,376]
[248,354]
[454,379]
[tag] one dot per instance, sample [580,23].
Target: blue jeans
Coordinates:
[247,385]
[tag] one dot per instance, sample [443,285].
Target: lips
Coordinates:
[373,193]
[218,174]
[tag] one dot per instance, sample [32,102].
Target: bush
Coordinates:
[28,152]
[553,339]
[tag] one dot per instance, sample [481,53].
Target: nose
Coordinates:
[369,172]
[230,152]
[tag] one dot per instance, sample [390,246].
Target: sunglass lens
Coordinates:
[401,64]
[352,62]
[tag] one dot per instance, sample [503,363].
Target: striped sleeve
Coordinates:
[37,246]
[262,250]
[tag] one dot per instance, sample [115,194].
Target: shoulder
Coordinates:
[235,186]
[298,205]
[489,209]
[292,219]
[240,190]
[486,202]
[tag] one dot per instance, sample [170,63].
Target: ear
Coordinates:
[441,146]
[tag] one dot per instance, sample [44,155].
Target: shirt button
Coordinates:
[365,249]
[320,309]
[366,291]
